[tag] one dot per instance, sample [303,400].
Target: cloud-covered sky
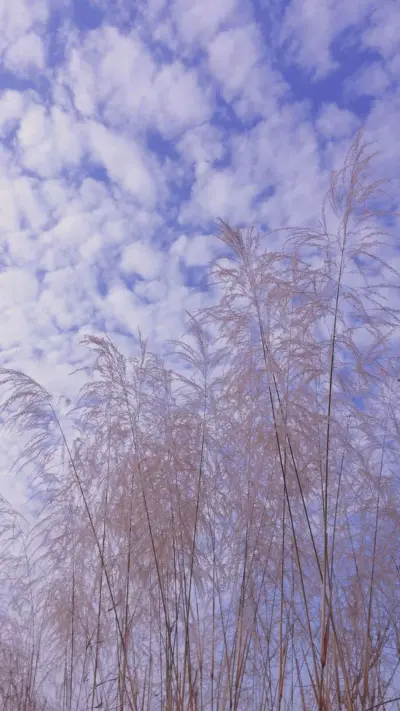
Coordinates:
[127,128]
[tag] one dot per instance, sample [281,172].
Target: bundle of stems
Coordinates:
[219,529]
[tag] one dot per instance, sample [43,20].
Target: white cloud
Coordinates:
[110,67]
[310,26]
[26,55]
[198,250]
[370,80]
[124,161]
[199,20]
[79,76]
[169,317]
[119,73]
[31,210]
[33,129]
[11,107]
[18,17]
[9,213]
[334,122]
[382,127]
[154,291]
[279,153]
[221,194]
[16,287]
[142,259]
[58,195]
[122,306]
[394,67]
[19,245]
[181,102]
[201,147]
[232,54]
[67,296]
[238,61]
[383,31]
[49,140]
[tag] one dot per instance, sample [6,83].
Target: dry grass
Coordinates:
[224,536]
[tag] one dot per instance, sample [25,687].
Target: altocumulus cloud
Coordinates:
[128,128]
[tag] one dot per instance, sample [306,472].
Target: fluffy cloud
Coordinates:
[232,55]
[124,162]
[11,106]
[117,75]
[27,54]
[141,259]
[248,83]
[382,33]
[199,21]
[310,28]
[334,122]
[371,80]
[18,18]
[16,287]
[49,141]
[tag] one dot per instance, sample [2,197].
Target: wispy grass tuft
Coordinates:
[223,535]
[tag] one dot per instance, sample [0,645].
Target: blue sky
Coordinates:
[128,128]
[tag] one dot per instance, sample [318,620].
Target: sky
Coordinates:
[128,128]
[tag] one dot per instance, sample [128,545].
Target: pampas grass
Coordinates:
[225,535]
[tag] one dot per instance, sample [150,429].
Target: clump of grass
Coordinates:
[224,535]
